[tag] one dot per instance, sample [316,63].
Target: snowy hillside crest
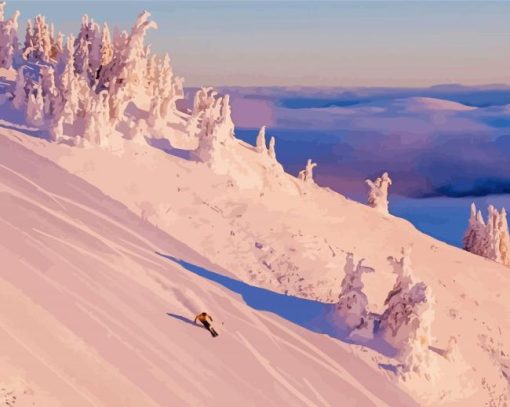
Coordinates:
[96,89]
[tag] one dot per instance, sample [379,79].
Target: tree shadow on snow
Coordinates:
[389,367]
[308,314]
[164,145]
[29,131]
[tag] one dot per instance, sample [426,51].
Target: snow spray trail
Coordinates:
[300,311]
[189,300]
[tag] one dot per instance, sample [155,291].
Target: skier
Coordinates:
[203,318]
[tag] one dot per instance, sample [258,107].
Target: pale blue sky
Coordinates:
[310,43]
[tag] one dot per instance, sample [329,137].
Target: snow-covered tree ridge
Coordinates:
[78,89]
[489,239]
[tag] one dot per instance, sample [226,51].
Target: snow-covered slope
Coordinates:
[93,315]
[291,240]
[123,217]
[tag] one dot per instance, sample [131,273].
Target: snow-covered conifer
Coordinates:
[8,38]
[504,238]
[19,100]
[134,64]
[49,90]
[57,48]
[475,230]
[216,130]
[166,87]
[56,129]
[81,46]
[38,41]
[271,151]
[29,41]
[152,74]
[97,127]
[261,140]
[35,107]
[414,353]
[352,302]
[106,49]
[406,322]
[489,239]
[378,194]
[89,132]
[154,114]
[204,98]
[307,174]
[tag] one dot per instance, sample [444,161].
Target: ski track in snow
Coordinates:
[274,373]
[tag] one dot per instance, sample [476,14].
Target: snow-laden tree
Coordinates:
[154,114]
[8,37]
[307,174]
[117,101]
[378,194]
[56,125]
[57,47]
[261,140]
[28,43]
[35,107]
[271,151]
[414,353]
[352,301]
[475,232]
[169,87]
[49,91]
[131,63]
[97,127]
[489,239]
[504,238]
[68,83]
[204,98]
[86,83]
[166,90]
[19,100]
[95,55]
[105,49]
[125,76]
[216,132]
[406,321]
[38,41]
[86,49]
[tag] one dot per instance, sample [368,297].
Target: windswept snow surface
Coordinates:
[93,315]
[117,271]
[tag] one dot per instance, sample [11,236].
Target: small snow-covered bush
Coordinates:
[378,194]
[307,174]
